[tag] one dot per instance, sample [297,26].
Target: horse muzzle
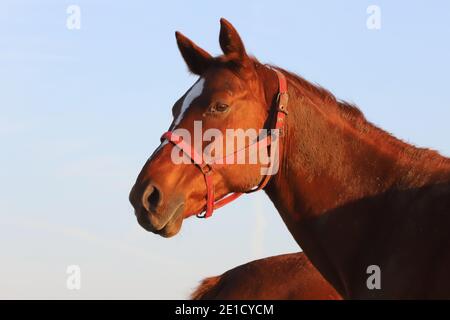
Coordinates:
[154,214]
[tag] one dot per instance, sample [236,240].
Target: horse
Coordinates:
[283,277]
[354,197]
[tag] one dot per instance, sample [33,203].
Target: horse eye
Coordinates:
[221,107]
[218,107]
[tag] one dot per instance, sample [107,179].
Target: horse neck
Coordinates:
[331,156]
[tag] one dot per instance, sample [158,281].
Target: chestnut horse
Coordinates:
[351,194]
[284,277]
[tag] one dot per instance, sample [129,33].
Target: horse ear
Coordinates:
[197,59]
[230,41]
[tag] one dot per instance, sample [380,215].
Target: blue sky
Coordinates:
[81,111]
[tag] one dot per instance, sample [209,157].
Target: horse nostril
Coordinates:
[151,198]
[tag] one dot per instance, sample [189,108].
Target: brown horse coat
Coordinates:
[284,277]
[352,195]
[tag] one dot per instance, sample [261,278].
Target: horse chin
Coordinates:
[173,226]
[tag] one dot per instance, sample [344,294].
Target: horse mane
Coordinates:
[355,118]
[350,115]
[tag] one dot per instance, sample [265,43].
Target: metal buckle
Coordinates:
[205,168]
[283,99]
[201,215]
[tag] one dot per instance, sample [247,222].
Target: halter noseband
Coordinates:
[207,168]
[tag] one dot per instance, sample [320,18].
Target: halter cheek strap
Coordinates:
[208,169]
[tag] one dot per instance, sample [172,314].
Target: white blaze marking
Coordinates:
[193,93]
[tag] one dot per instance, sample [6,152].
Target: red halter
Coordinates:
[207,169]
